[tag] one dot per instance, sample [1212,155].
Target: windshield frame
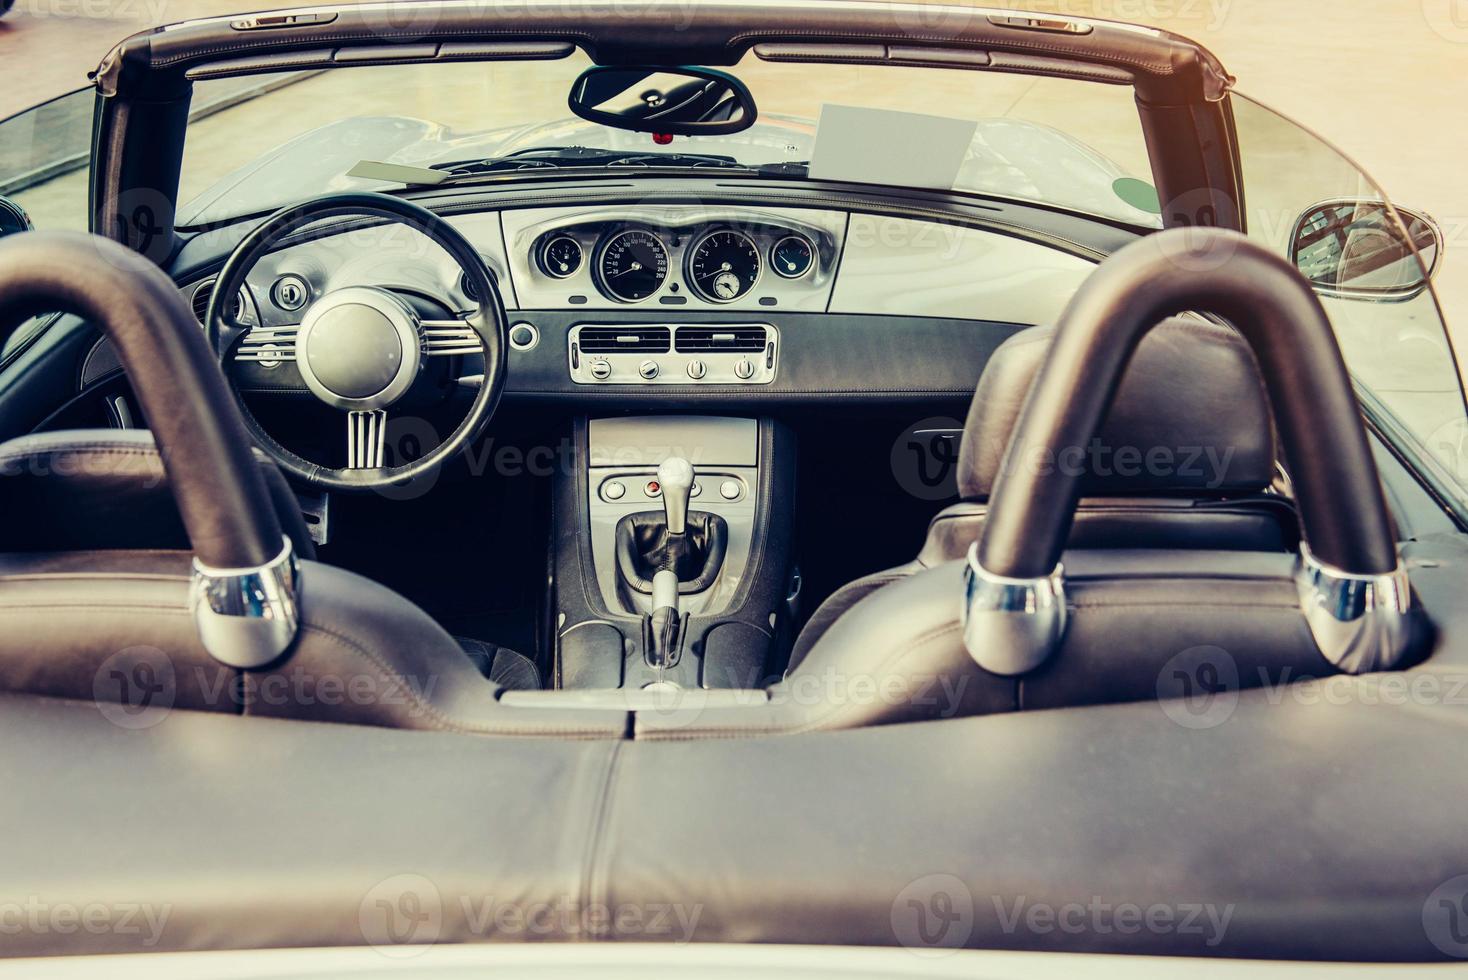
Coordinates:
[203,208]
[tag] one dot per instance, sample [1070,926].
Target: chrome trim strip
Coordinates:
[247,617]
[1011,626]
[1361,623]
[366,440]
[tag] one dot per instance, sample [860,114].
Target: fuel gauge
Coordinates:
[561,257]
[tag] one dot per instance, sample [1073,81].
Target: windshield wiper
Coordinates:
[574,157]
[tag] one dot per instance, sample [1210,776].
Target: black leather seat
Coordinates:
[1186,459]
[107,490]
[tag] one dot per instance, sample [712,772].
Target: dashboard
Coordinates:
[681,300]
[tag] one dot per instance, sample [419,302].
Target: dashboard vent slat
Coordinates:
[625,340]
[200,299]
[712,340]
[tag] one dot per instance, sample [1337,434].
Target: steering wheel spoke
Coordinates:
[269,344]
[444,338]
[366,440]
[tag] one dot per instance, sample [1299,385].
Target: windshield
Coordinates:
[259,142]
[272,139]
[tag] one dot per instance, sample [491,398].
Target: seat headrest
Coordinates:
[106,490]
[1191,416]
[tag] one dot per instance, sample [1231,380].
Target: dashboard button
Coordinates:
[524,336]
[697,369]
[653,489]
[743,369]
[730,490]
[601,370]
[648,370]
[695,490]
[613,490]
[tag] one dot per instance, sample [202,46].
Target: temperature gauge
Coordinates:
[792,256]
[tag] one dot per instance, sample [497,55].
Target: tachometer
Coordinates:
[723,266]
[633,266]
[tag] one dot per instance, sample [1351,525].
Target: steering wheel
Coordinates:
[360,348]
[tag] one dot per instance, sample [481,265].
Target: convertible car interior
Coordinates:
[839,474]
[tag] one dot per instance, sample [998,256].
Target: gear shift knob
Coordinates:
[676,478]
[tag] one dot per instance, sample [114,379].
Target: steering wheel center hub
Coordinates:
[358,348]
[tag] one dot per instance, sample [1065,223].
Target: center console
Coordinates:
[671,562]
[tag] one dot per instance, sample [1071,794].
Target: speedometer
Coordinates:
[724,266]
[633,265]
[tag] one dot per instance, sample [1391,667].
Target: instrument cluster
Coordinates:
[712,263]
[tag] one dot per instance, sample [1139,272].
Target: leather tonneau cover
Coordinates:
[1319,830]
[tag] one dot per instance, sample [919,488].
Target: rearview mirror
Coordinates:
[1356,248]
[13,218]
[669,101]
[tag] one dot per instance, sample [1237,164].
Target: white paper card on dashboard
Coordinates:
[884,146]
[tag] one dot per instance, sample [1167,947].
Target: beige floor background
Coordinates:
[1386,80]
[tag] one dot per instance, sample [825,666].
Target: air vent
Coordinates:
[199,301]
[625,340]
[728,340]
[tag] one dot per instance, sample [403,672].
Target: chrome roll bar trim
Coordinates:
[247,617]
[1360,623]
[1010,625]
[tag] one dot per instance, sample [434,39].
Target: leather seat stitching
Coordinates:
[124,608]
[597,832]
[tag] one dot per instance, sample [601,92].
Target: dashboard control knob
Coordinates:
[614,490]
[697,369]
[730,490]
[648,370]
[601,370]
[743,369]
[696,490]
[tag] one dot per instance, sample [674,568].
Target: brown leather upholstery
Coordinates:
[1191,416]
[108,489]
[112,626]
[1191,397]
[899,654]
[175,376]
[108,626]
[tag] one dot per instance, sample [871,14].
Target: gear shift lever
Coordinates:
[676,478]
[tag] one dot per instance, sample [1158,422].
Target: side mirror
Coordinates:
[671,101]
[13,218]
[1357,248]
